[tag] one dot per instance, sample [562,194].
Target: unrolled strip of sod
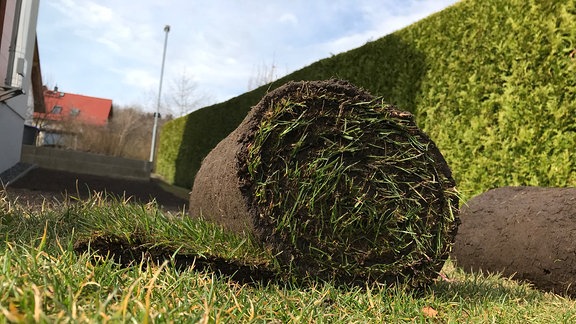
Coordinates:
[339,184]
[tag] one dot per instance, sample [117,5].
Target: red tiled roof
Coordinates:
[89,110]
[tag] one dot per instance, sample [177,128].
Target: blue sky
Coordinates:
[113,48]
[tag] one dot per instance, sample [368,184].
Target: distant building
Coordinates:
[20,77]
[85,109]
[67,113]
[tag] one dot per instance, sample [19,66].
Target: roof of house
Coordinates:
[37,87]
[85,109]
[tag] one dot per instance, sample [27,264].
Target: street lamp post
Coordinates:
[157,114]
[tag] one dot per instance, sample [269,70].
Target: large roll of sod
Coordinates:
[525,232]
[340,185]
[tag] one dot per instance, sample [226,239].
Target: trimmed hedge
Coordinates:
[492,82]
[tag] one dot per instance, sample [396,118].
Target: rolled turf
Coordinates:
[339,184]
[526,233]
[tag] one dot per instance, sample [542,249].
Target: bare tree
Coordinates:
[56,129]
[126,125]
[127,134]
[263,74]
[184,95]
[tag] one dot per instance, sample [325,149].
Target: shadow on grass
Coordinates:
[134,252]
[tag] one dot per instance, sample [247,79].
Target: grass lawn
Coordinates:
[44,279]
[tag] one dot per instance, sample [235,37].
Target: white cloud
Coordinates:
[98,14]
[288,18]
[86,11]
[139,78]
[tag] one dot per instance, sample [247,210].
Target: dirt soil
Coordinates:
[43,185]
[524,232]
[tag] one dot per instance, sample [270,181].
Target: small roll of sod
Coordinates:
[340,185]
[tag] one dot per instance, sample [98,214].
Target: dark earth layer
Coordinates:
[527,232]
[138,252]
[42,184]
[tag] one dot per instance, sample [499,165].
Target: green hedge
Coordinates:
[185,141]
[492,82]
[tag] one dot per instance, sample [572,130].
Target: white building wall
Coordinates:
[11,130]
[13,111]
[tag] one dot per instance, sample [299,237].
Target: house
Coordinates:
[84,109]
[66,114]
[20,77]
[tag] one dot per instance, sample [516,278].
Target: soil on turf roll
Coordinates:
[339,184]
[525,232]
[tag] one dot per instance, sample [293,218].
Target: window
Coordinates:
[52,139]
[74,112]
[56,110]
